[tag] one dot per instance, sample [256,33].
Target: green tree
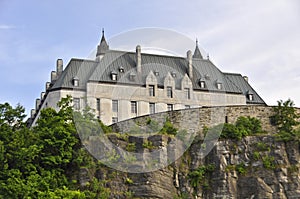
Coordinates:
[286,119]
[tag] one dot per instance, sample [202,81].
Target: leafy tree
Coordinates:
[286,119]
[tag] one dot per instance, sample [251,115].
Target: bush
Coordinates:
[244,126]
[285,118]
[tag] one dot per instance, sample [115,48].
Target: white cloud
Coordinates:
[6,27]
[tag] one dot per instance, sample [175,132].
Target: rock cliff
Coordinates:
[254,167]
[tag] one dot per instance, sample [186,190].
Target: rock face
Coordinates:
[254,167]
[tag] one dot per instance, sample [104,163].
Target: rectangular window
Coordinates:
[152,108]
[169,92]
[133,107]
[98,104]
[170,107]
[114,119]
[187,106]
[187,93]
[115,106]
[151,90]
[76,103]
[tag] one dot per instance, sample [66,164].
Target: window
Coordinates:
[151,90]
[187,93]
[187,106]
[133,107]
[250,96]
[152,108]
[114,76]
[202,84]
[156,73]
[219,86]
[173,74]
[76,81]
[115,106]
[169,92]
[76,103]
[170,107]
[121,69]
[98,104]
[114,119]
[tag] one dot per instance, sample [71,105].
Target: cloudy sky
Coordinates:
[257,38]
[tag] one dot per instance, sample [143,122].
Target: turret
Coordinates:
[102,47]
[197,53]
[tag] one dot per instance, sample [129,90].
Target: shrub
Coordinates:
[285,118]
[268,162]
[168,128]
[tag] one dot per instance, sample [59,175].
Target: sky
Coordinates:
[257,38]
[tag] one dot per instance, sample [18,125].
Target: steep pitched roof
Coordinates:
[197,54]
[113,61]
[246,88]
[103,46]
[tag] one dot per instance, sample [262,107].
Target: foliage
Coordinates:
[40,162]
[285,118]
[244,126]
[168,128]
[197,176]
[148,144]
[130,147]
[241,168]
[269,162]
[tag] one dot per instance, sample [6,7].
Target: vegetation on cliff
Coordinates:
[44,161]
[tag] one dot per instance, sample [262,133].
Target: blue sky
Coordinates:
[256,38]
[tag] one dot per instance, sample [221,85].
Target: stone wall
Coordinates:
[195,119]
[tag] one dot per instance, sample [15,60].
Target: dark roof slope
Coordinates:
[239,80]
[123,64]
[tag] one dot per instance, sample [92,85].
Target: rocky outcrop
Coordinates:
[254,167]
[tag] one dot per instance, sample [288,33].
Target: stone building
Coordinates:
[121,85]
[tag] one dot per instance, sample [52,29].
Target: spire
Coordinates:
[102,47]
[197,53]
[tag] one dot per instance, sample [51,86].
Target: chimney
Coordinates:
[42,95]
[138,57]
[37,104]
[32,113]
[47,85]
[53,76]
[59,66]
[190,64]
[246,78]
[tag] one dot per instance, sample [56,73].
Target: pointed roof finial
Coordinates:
[197,53]
[208,56]
[103,46]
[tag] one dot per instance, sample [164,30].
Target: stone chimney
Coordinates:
[190,63]
[47,85]
[53,76]
[37,104]
[42,95]
[32,113]
[59,66]
[138,58]
[246,78]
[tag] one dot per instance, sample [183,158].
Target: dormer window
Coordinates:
[250,95]
[202,83]
[173,74]
[121,69]
[76,81]
[113,75]
[156,73]
[132,76]
[219,85]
